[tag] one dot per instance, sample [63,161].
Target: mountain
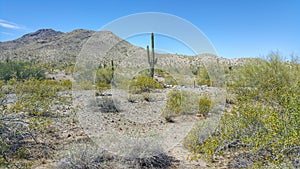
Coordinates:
[50,46]
[40,36]
[45,45]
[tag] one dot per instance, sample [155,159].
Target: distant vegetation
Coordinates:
[142,84]
[104,77]
[203,77]
[20,71]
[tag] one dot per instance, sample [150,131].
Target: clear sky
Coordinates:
[237,28]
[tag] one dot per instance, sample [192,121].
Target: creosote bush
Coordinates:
[203,77]
[205,103]
[107,105]
[174,103]
[85,157]
[266,120]
[20,70]
[1,88]
[86,85]
[104,77]
[180,102]
[142,84]
[191,140]
[26,120]
[101,87]
[146,155]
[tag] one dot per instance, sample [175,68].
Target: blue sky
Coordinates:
[237,28]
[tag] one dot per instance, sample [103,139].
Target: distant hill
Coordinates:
[50,46]
[45,45]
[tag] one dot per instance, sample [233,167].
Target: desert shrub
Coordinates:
[87,157]
[203,77]
[106,105]
[28,118]
[20,70]
[180,102]
[174,102]
[204,105]
[157,72]
[169,80]
[37,96]
[191,140]
[1,88]
[102,87]
[157,161]
[104,77]
[147,156]
[66,84]
[266,120]
[18,141]
[2,83]
[142,84]
[86,85]
[69,69]
[41,87]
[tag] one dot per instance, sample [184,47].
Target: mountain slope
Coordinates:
[45,45]
[40,36]
[50,46]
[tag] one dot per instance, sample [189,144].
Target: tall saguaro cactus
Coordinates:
[151,60]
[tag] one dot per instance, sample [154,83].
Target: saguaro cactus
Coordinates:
[112,68]
[151,60]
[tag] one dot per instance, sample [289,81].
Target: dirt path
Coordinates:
[137,121]
[134,126]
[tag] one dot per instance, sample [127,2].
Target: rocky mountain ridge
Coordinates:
[50,46]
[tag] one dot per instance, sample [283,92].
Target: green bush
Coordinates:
[66,84]
[37,96]
[104,75]
[191,140]
[203,77]
[205,103]
[266,121]
[20,70]
[168,79]
[1,88]
[103,80]
[142,84]
[29,118]
[180,102]
[86,85]
[174,102]
[102,87]
[69,69]
[85,157]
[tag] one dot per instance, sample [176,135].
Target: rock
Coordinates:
[168,86]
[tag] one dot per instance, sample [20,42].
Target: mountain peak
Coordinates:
[42,34]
